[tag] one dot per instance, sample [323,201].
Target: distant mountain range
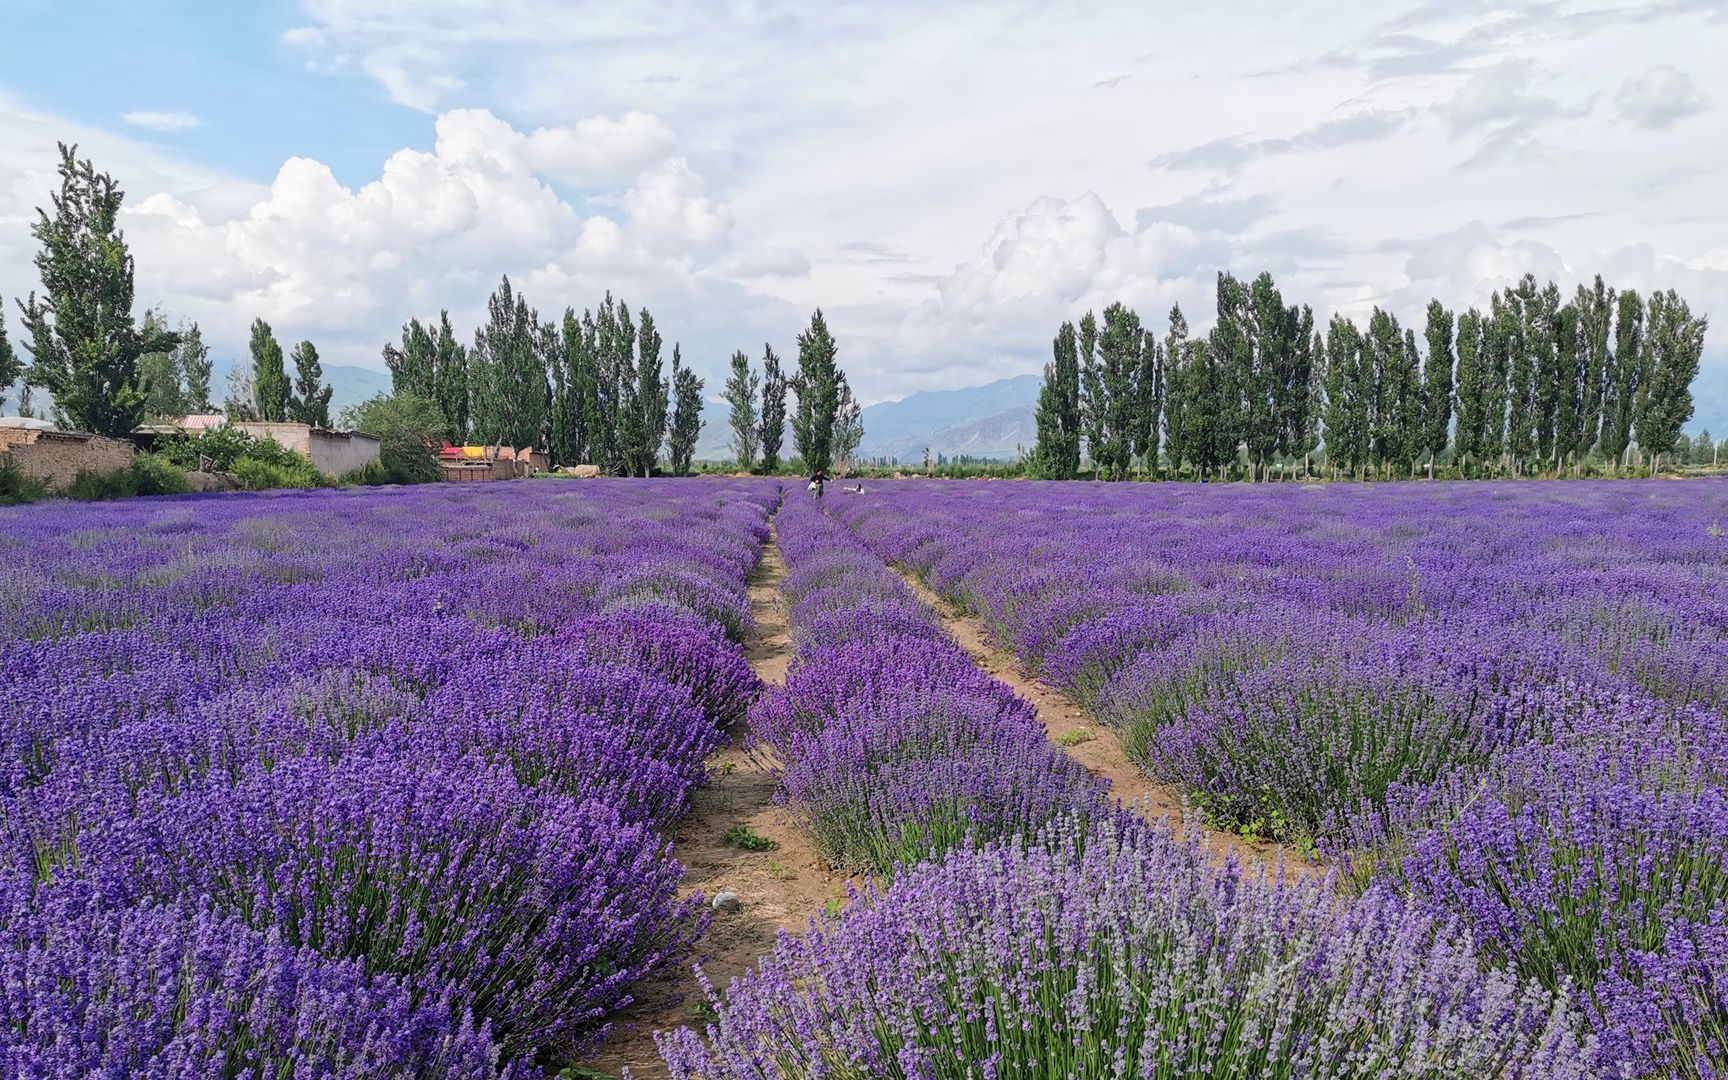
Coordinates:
[994,420]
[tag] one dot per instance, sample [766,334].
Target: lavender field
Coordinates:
[390,783]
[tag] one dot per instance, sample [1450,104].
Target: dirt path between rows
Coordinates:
[780,889]
[1099,749]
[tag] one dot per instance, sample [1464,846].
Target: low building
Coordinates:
[55,457]
[333,453]
[466,464]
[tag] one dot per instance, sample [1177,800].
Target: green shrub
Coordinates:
[154,474]
[216,449]
[263,474]
[15,487]
[91,486]
[148,474]
[371,474]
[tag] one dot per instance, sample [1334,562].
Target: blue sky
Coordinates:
[948,182]
[225,64]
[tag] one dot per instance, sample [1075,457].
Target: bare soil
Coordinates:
[780,889]
[1100,750]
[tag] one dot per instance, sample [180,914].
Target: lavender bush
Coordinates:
[1123,953]
[409,754]
[1505,702]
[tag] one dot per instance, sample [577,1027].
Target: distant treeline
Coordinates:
[592,388]
[1533,385]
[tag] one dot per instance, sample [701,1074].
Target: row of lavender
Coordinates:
[1502,703]
[355,783]
[1031,928]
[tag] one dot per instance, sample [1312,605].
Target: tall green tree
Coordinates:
[686,425]
[1318,379]
[817,385]
[1267,334]
[848,426]
[1110,393]
[1148,401]
[1542,338]
[195,365]
[1520,331]
[1230,356]
[647,428]
[740,394]
[311,401]
[508,373]
[1673,347]
[160,373]
[1348,429]
[271,390]
[773,420]
[1569,393]
[1472,388]
[1620,396]
[10,366]
[450,380]
[1595,323]
[1437,383]
[1176,389]
[1086,356]
[1294,385]
[84,342]
[1057,418]
[413,366]
[1387,378]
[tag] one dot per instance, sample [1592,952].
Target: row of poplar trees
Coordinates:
[589,389]
[1536,384]
[827,422]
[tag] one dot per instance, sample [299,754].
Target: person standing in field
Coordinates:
[818,480]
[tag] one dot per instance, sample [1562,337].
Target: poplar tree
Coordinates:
[450,380]
[1569,389]
[1542,337]
[1347,404]
[508,373]
[10,366]
[413,365]
[1498,332]
[1110,392]
[773,423]
[1091,419]
[647,427]
[741,396]
[1437,383]
[1595,323]
[1058,415]
[271,392]
[310,403]
[1620,397]
[1176,388]
[84,343]
[1519,328]
[1230,360]
[1472,388]
[1382,359]
[159,372]
[817,385]
[1296,387]
[195,366]
[686,423]
[1673,346]
[1148,401]
[1262,353]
